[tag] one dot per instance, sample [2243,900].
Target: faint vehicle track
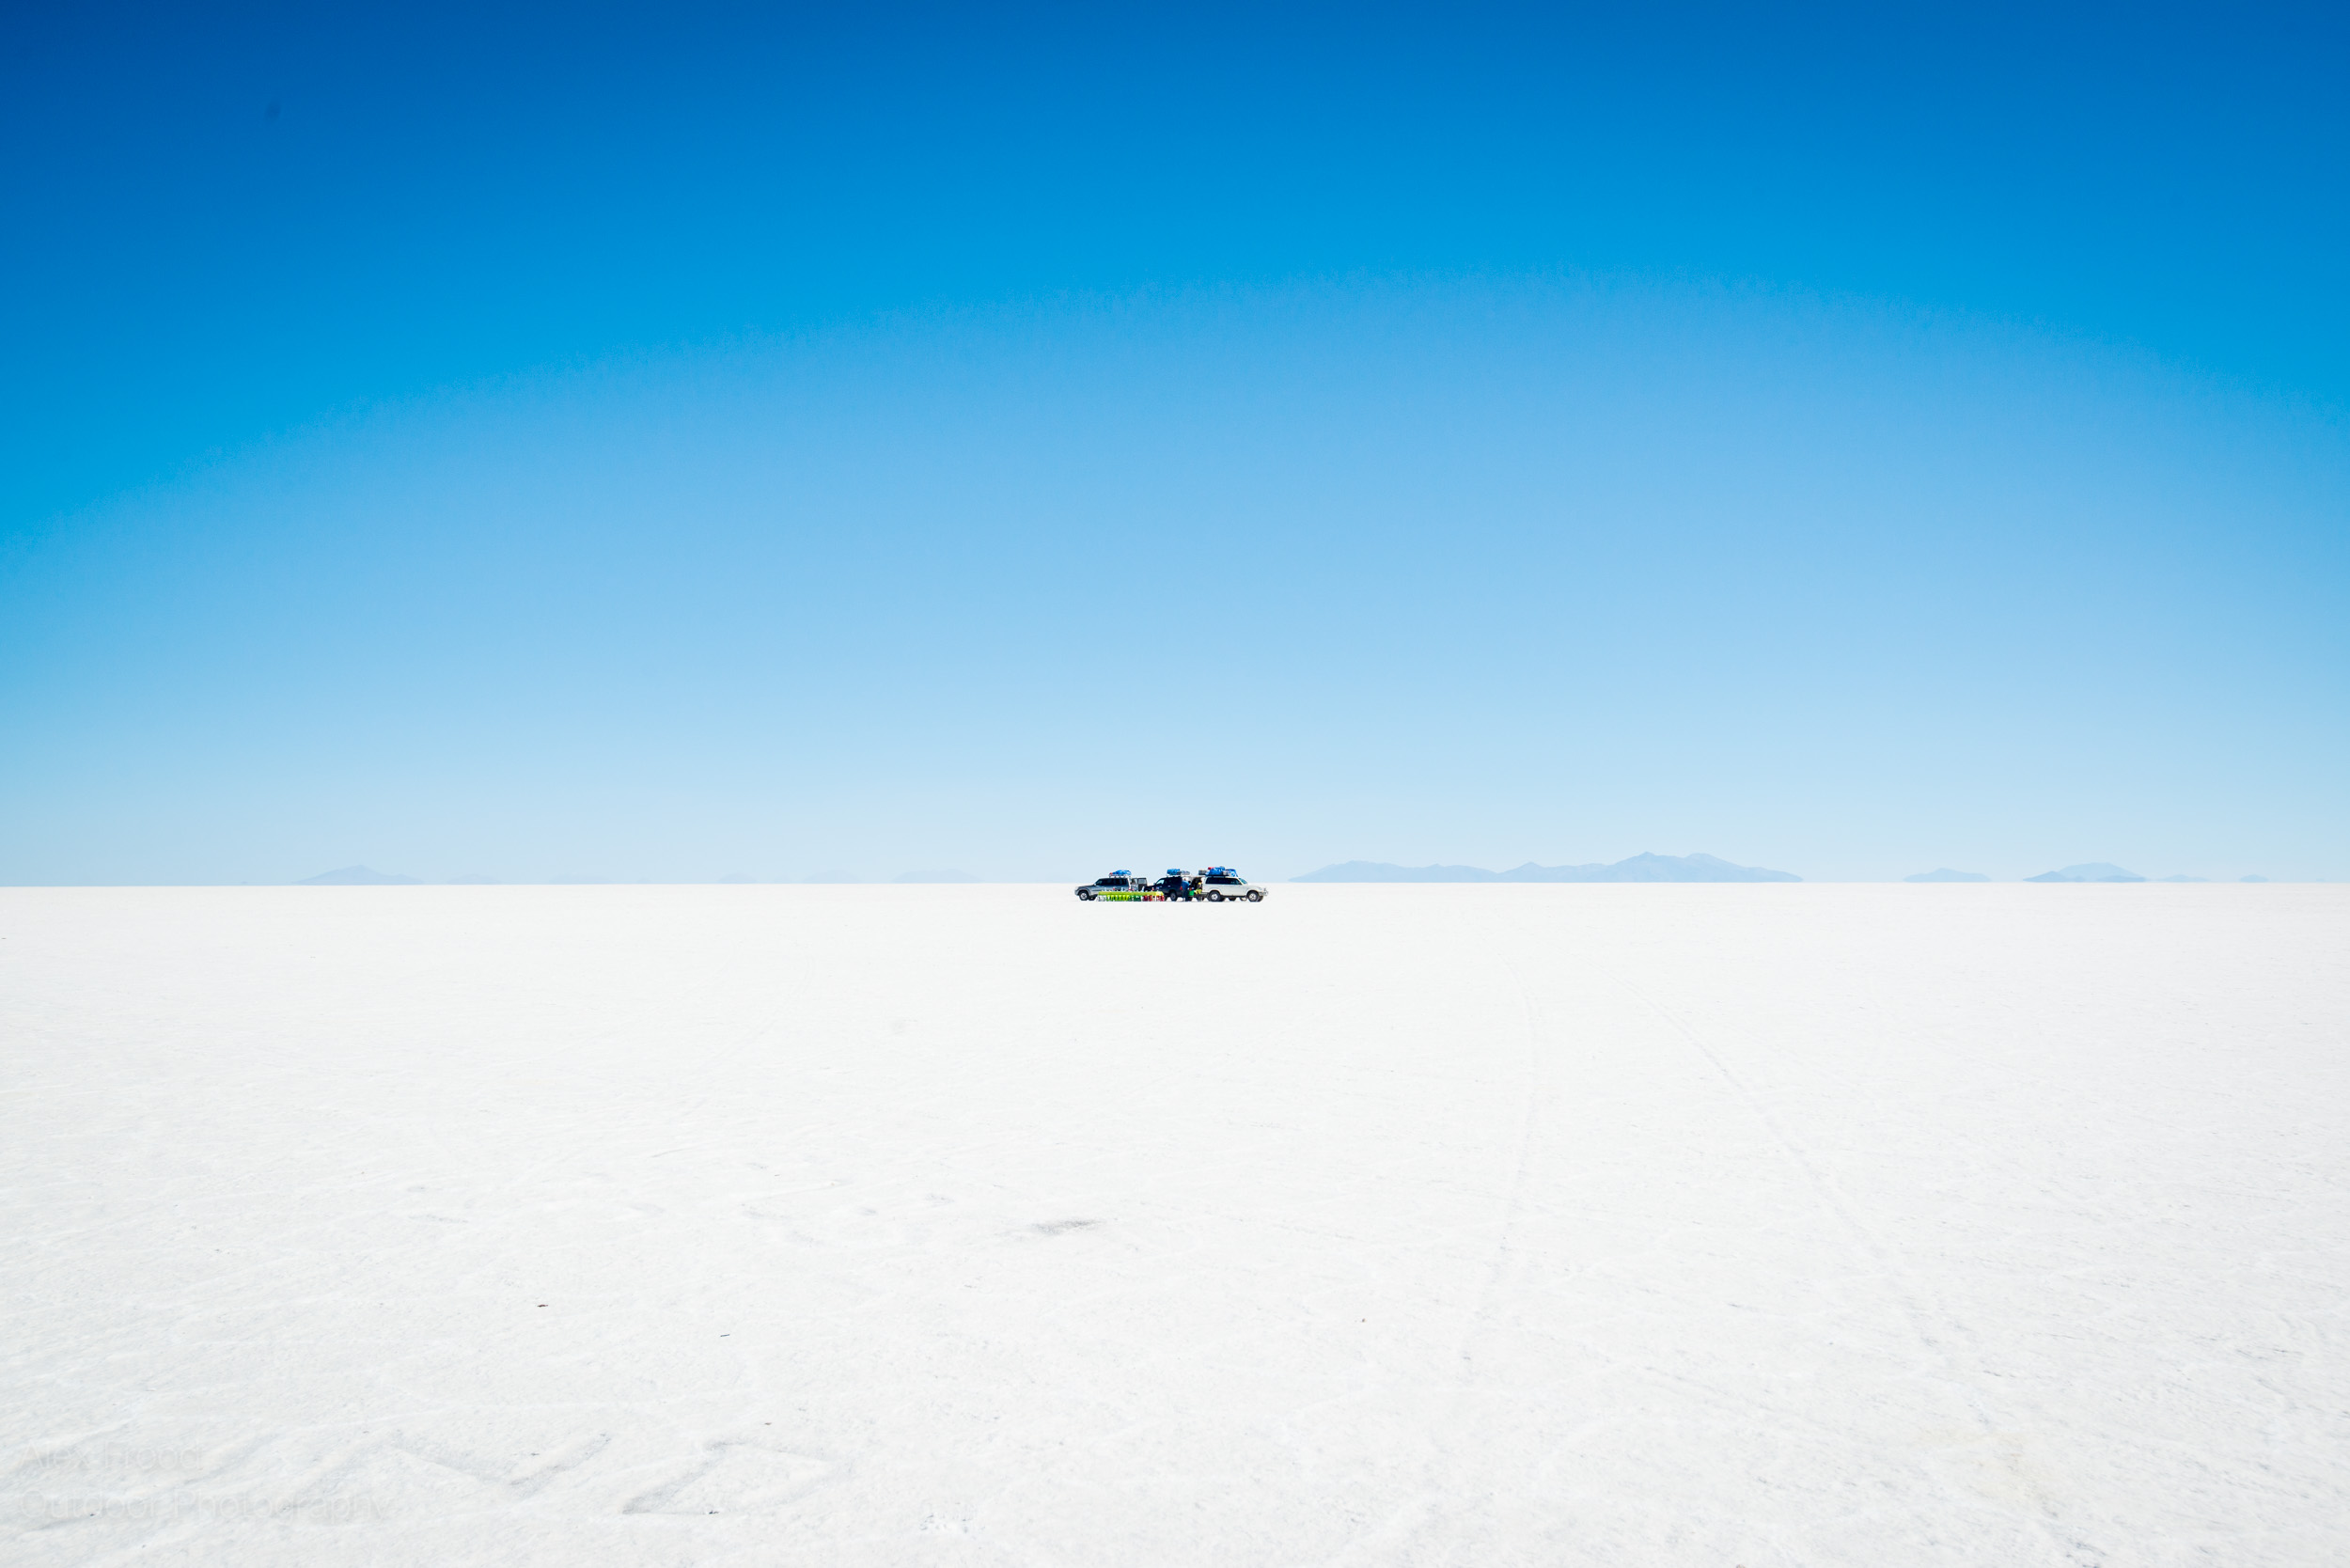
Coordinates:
[1930,1327]
[1481,1314]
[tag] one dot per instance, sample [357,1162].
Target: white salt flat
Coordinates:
[1714,1226]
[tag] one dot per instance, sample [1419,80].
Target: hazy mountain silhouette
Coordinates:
[934,876]
[2088,870]
[1639,868]
[1652,868]
[1946,874]
[356,876]
[1377,870]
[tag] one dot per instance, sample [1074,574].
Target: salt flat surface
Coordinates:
[1473,1225]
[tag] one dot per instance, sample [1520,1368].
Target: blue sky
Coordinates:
[663,445]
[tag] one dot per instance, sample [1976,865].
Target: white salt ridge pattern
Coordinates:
[1633,1225]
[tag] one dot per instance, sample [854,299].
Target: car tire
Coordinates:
[1256,895]
[1215,898]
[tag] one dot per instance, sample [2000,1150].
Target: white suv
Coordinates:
[1221,883]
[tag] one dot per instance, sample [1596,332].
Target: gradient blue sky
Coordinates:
[667,444]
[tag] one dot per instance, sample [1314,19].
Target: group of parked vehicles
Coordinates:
[1215,884]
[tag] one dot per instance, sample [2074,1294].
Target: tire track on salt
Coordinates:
[1928,1326]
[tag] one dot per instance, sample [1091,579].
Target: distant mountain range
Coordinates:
[1640,867]
[2089,871]
[356,876]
